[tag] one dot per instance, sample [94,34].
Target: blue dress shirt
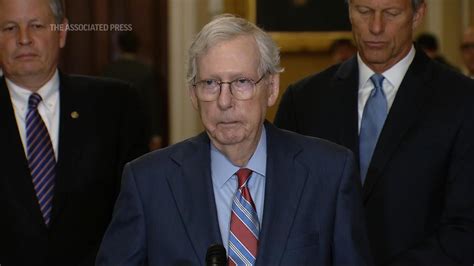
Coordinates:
[224,183]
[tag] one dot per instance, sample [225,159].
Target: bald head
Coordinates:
[467,50]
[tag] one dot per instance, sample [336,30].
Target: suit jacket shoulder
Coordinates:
[314,81]
[175,154]
[98,87]
[322,201]
[323,98]
[306,148]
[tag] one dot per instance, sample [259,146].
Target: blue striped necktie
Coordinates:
[244,225]
[373,118]
[41,158]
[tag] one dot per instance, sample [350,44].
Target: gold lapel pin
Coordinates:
[75,115]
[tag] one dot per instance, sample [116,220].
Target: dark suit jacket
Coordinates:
[166,213]
[92,151]
[418,192]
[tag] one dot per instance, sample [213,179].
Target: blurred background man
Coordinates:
[467,51]
[429,44]
[142,76]
[341,50]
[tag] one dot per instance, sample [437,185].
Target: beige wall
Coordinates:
[183,15]
[470,7]
[447,19]
[452,30]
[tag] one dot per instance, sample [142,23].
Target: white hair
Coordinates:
[227,27]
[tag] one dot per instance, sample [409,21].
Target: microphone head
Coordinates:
[216,255]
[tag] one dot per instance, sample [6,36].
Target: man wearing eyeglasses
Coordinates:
[270,197]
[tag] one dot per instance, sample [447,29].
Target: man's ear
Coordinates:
[273,89]
[193,97]
[63,33]
[419,15]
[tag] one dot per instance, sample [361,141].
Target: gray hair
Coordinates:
[226,27]
[57,7]
[414,3]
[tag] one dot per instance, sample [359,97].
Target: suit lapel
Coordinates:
[285,180]
[405,111]
[70,143]
[15,171]
[194,195]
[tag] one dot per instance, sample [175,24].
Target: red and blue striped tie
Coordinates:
[41,158]
[244,225]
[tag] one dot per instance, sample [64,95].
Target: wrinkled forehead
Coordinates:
[221,39]
[383,3]
[237,46]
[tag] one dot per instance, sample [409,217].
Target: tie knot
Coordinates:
[243,175]
[34,100]
[377,80]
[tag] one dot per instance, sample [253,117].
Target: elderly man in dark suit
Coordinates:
[64,140]
[410,121]
[270,197]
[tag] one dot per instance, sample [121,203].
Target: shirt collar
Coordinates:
[223,169]
[47,92]
[393,75]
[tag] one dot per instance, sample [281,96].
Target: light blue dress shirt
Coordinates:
[224,183]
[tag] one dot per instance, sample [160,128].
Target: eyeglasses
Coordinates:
[208,90]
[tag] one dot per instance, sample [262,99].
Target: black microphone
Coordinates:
[216,255]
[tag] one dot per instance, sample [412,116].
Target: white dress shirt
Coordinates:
[48,108]
[393,78]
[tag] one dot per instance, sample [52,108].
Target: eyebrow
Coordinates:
[373,8]
[34,20]
[7,22]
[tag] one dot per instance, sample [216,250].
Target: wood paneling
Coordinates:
[88,52]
